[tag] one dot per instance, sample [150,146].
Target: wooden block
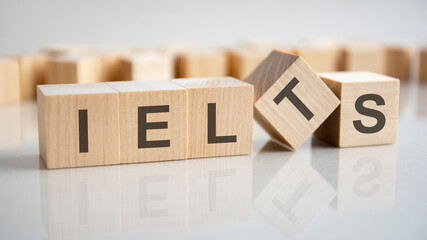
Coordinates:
[322,58]
[220,116]
[294,197]
[365,57]
[9,81]
[78,125]
[80,203]
[398,62]
[423,65]
[10,126]
[291,101]
[32,68]
[148,65]
[201,64]
[74,69]
[153,120]
[56,50]
[368,114]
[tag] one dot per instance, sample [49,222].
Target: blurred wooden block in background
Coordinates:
[32,68]
[147,65]
[153,120]
[220,116]
[194,64]
[78,125]
[365,56]
[56,50]
[74,69]
[10,84]
[398,61]
[368,114]
[322,58]
[423,65]
[291,100]
[111,65]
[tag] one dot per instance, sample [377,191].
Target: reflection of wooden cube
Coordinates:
[423,65]
[368,113]
[154,196]
[80,203]
[153,120]
[294,197]
[220,116]
[74,69]
[78,125]
[398,62]
[147,65]
[201,64]
[291,100]
[323,58]
[9,81]
[220,190]
[32,70]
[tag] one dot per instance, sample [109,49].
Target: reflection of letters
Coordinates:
[213,176]
[145,197]
[83,203]
[286,208]
[375,173]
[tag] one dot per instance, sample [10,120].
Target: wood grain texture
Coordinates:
[134,95]
[423,65]
[10,84]
[74,69]
[59,130]
[32,68]
[231,101]
[147,65]
[283,120]
[340,130]
[201,64]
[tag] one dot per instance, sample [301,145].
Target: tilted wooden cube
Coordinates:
[74,69]
[9,80]
[153,120]
[368,114]
[423,65]
[147,65]
[291,101]
[220,116]
[78,125]
[201,64]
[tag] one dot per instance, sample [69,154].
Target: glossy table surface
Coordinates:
[316,192]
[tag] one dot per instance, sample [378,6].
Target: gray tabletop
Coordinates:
[316,192]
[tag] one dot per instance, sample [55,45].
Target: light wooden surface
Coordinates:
[398,64]
[340,128]
[202,63]
[423,65]
[59,125]
[147,65]
[32,68]
[66,49]
[322,58]
[135,94]
[10,85]
[283,120]
[74,69]
[365,57]
[231,102]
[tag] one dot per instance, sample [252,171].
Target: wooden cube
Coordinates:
[74,69]
[398,62]
[220,116]
[147,65]
[153,120]
[11,130]
[9,81]
[78,125]
[32,68]
[365,57]
[369,109]
[291,100]
[56,50]
[423,65]
[322,58]
[201,64]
